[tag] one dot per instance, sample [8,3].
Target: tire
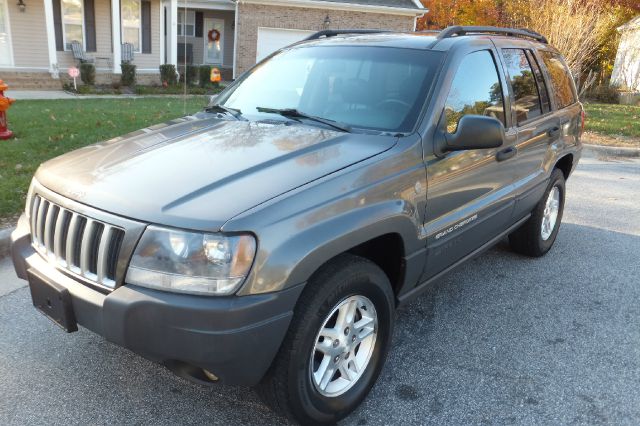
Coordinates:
[289,387]
[529,239]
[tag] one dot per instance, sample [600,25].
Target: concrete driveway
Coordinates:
[504,340]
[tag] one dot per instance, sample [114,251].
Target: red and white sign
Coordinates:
[74,72]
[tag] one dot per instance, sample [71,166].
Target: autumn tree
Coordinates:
[583,30]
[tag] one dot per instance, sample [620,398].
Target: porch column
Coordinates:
[116,35]
[172,34]
[51,38]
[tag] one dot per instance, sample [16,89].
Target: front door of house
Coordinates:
[213,41]
[5,37]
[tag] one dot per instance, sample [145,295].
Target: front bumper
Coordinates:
[235,338]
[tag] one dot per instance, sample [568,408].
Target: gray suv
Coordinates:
[268,240]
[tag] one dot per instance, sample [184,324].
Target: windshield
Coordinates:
[380,88]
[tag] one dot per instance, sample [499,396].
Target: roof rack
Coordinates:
[514,32]
[333,33]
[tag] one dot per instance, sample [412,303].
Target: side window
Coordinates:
[561,82]
[523,84]
[475,90]
[542,86]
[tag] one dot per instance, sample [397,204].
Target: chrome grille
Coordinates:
[80,244]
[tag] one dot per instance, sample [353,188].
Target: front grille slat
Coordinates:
[42,211]
[49,224]
[59,235]
[71,236]
[35,208]
[103,253]
[80,244]
[85,247]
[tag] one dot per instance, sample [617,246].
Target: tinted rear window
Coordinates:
[561,82]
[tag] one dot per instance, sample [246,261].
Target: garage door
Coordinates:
[272,39]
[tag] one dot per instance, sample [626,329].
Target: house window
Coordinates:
[72,22]
[131,23]
[187,24]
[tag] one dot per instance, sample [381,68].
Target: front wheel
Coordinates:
[336,344]
[536,236]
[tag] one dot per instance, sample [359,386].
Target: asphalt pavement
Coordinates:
[503,340]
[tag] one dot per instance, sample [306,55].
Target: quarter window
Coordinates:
[72,22]
[523,85]
[476,90]
[131,23]
[563,91]
[187,23]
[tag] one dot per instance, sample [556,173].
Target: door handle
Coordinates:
[554,132]
[506,153]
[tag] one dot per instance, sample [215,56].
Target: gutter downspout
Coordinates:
[235,38]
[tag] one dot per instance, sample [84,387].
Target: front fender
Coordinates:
[298,257]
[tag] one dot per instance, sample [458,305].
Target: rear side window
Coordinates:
[475,90]
[542,86]
[560,79]
[523,85]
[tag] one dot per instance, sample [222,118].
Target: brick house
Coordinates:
[36,35]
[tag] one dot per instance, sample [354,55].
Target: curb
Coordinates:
[5,242]
[613,151]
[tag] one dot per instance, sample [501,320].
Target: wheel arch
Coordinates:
[565,165]
[389,240]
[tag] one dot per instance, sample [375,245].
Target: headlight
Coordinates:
[191,262]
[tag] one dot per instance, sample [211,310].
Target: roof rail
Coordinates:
[333,33]
[514,32]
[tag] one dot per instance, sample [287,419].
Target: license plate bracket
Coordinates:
[53,301]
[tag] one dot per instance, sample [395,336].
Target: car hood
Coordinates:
[198,172]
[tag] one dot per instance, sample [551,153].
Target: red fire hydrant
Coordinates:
[5,104]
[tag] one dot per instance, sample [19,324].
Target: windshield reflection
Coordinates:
[380,88]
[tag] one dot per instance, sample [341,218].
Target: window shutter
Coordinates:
[57,24]
[146,26]
[89,26]
[199,23]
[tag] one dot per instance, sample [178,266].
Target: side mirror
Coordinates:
[474,132]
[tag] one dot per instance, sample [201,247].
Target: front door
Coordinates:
[468,196]
[213,41]
[6,58]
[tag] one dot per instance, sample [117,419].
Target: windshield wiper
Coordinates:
[221,108]
[294,113]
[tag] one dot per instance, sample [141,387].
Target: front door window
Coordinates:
[213,41]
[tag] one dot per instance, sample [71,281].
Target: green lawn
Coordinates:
[46,129]
[613,120]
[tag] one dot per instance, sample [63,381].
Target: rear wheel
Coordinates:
[336,344]
[536,236]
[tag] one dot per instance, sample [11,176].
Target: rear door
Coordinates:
[537,127]
[469,198]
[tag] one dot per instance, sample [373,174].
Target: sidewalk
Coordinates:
[39,94]
[61,94]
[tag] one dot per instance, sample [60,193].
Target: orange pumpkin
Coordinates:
[215,75]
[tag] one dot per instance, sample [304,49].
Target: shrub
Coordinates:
[190,73]
[88,73]
[128,77]
[205,75]
[605,94]
[168,74]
